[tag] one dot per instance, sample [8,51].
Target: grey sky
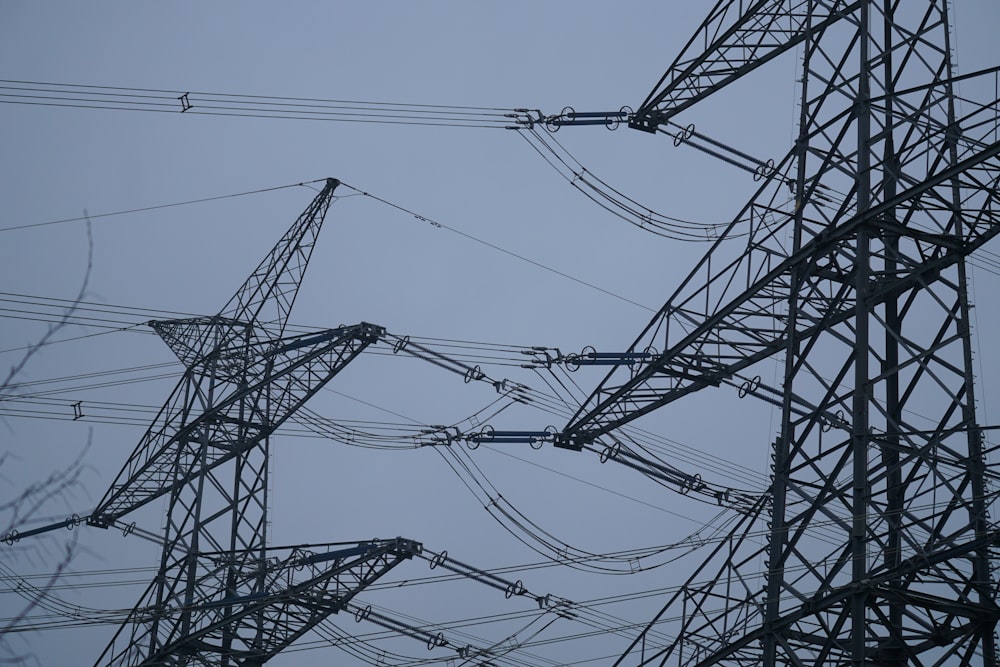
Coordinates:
[376,264]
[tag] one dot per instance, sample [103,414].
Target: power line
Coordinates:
[80,96]
[493,246]
[157,207]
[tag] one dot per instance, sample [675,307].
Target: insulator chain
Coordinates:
[450,435]
[510,588]
[570,116]
[755,387]
[686,134]
[436,639]
[469,374]
[489,435]
[432,640]
[13,536]
[544,357]
[686,483]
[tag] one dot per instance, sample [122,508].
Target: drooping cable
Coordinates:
[616,202]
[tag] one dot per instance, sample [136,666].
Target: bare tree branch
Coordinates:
[26,504]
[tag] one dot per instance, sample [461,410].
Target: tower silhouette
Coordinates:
[849,266]
[222,595]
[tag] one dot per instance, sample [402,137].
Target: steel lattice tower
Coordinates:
[222,596]
[880,547]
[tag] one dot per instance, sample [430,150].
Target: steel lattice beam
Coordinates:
[219,597]
[223,407]
[881,550]
[707,345]
[736,38]
[276,600]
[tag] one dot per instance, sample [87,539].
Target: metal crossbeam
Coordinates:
[881,549]
[219,596]
[704,346]
[222,407]
[248,619]
[735,39]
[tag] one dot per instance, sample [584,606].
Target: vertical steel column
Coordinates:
[862,384]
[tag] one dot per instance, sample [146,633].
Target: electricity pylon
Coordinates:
[851,269]
[221,596]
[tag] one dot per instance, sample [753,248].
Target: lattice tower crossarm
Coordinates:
[295,590]
[853,272]
[224,407]
[217,593]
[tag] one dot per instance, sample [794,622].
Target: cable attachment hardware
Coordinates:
[625,114]
[542,358]
[535,439]
[683,134]
[516,588]
[362,614]
[591,357]
[692,483]
[475,373]
[763,170]
[439,559]
[400,344]
[650,353]
[837,419]
[611,452]
[570,116]
[749,386]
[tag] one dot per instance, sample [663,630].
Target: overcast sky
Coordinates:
[498,204]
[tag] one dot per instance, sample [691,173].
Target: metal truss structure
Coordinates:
[221,596]
[246,606]
[849,265]
[873,544]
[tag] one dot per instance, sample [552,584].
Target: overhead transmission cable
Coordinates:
[21,584]
[45,392]
[398,207]
[581,612]
[193,102]
[613,200]
[509,516]
[39,93]
[157,207]
[498,248]
[269,106]
[443,349]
